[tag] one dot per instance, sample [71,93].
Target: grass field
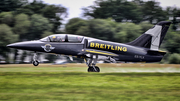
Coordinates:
[71,82]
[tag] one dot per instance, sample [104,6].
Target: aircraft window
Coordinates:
[74,38]
[57,38]
[45,39]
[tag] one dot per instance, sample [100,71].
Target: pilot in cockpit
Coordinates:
[54,39]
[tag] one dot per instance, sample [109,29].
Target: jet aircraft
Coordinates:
[143,49]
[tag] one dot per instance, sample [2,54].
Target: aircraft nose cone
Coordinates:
[12,45]
[27,45]
[18,45]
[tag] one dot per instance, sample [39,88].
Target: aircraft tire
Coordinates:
[91,69]
[35,63]
[97,68]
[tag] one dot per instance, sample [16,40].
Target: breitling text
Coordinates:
[109,47]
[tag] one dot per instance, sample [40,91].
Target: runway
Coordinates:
[105,68]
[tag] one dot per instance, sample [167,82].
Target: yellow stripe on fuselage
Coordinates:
[100,52]
[162,51]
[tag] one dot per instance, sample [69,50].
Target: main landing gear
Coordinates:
[93,69]
[35,61]
[91,64]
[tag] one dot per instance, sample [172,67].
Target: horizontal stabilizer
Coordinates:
[153,52]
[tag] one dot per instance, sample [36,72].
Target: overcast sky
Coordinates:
[74,6]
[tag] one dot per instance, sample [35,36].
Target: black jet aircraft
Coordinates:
[143,49]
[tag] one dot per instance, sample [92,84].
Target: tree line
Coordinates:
[113,20]
[21,20]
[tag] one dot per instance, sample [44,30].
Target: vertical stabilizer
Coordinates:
[153,37]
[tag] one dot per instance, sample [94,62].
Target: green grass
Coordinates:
[74,84]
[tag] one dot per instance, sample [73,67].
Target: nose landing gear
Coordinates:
[35,61]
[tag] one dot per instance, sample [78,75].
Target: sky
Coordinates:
[74,6]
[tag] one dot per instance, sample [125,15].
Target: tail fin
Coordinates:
[153,37]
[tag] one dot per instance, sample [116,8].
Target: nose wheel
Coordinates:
[35,61]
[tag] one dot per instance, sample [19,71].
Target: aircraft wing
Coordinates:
[97,52]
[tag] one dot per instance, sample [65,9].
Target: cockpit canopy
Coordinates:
[63,38]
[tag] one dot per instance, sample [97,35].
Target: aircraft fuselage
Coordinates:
[125,52]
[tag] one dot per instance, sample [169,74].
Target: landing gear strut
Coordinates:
[35,61]
[91,64]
